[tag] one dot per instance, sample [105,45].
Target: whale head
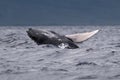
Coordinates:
[50,37]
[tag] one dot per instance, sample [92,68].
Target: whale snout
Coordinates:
[29,31]
[32,33]
[37,36]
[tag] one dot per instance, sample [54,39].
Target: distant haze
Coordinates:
[59,12]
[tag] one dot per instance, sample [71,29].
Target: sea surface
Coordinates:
[98,58]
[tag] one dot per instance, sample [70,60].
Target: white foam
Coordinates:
[63,45]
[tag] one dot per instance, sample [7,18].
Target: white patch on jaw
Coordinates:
[63,45]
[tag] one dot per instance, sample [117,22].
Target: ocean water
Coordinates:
[98,58]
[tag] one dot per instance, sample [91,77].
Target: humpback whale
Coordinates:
[62,41]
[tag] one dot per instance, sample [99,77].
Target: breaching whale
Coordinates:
[63,41]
